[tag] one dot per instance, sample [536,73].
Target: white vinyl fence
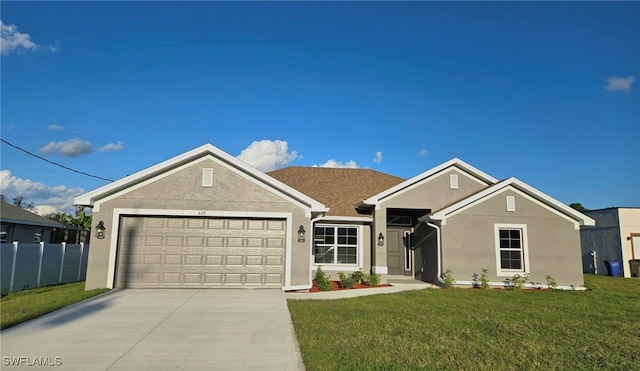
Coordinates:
[28,265]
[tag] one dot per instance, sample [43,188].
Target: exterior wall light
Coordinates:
[100,230]
[301,233]
[380,239]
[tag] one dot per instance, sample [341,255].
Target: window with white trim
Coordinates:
[335,244]
[3,233]
[511,249]
[37,235]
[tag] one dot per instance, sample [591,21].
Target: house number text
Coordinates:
[202,213]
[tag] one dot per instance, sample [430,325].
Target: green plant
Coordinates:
[447,279]
[358,276]
[321,280]
[551,282]
[372,279]
[346,282]
[517,282]
[484,279]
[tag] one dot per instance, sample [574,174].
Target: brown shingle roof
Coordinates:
[340,189]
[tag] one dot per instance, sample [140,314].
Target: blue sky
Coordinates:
[542,91]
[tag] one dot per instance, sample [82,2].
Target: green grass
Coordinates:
[28,304]
[472,329]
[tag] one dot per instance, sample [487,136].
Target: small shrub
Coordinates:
[322,281]
[484,279]
[551,282]
[518,281]
[358,276]
[448,279]
[474,281]
[372,279]
[346,282]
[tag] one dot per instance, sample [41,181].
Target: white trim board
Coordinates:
[407,185]
[189,158]
[118,212]
[522,189]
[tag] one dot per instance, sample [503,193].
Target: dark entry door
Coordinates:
[399,256]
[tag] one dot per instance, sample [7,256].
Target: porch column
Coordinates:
[379,252]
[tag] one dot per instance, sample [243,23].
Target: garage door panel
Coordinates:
[201,252]
[172,259]
[152,259]
[175,223]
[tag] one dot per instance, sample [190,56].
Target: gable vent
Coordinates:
[207,177]
[511,203]
[453,181]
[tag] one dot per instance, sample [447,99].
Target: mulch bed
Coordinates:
[335,286]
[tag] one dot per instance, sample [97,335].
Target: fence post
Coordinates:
[13,265]
[64,249]
[40,262]
[80,262]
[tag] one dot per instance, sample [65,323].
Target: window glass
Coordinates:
[510,249]
[335,245]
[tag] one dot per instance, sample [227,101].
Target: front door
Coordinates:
[399,254]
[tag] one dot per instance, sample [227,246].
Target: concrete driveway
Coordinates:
[184,329]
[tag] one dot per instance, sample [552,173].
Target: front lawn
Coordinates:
[470,329]
[28,304]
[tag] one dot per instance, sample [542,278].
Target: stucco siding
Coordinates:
[435,192]
[183,191]
[629,224]
[553,243]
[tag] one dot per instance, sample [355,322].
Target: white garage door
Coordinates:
[167,252]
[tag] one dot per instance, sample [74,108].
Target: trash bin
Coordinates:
[634,267]
[613,267]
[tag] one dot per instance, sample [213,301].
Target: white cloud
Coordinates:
[54,127]
[616,83]
[13,40]
[333,163]
[68,148]
[47,199]
[111,147]
[423,153]
[267,155]
[378,158]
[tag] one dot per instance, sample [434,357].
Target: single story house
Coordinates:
[18,224]
[615,236]
[206,219]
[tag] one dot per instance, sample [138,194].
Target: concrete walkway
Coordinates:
[183,329]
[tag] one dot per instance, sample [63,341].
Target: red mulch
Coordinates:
[335,286]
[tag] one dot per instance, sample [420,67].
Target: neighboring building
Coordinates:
[616,236]
[207,219]
[24,226]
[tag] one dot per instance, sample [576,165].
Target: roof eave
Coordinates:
[374,200]
[89,199]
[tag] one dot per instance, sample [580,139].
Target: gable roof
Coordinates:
[14,214]
[339,188]
[89,198]
[512,183]
[459,164]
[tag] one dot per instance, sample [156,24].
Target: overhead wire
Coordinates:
[54,163]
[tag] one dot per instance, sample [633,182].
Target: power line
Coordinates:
[53,163]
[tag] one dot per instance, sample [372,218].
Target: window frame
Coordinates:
[335,265]
[524,250]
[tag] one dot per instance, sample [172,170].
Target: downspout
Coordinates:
[439,248]
[312,222]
